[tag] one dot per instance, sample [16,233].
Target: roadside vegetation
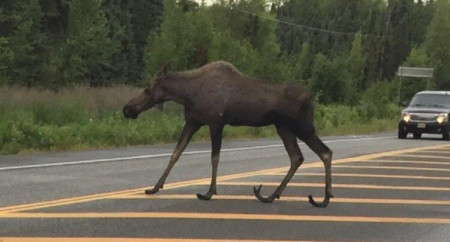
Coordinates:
[85,118]
[67,67]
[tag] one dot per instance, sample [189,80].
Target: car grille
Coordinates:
[423,117]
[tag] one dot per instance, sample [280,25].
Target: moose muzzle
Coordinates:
[128,112]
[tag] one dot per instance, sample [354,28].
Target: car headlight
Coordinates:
[405,117]
[442,117]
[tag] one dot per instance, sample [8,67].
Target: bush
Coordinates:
[95,120]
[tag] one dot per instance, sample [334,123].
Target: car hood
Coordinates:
[426,110]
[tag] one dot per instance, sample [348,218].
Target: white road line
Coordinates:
[68,163]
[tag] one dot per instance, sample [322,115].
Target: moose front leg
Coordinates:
[216,143]
[291,145]
[188,131]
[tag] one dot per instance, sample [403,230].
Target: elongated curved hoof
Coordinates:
[257,192]
[323,204]
[151,191]
[205,197]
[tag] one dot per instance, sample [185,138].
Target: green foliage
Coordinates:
[410,86]
[253,31]
[89,47]
[356,63]
[378,101]
[304,63]
[328,80]
[389,29]
[240,53]
[6,57]
[102,42]
[183,42]
[123,66]
[340,49]
[84,118]
[21,23]
[437,39]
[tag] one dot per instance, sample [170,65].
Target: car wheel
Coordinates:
[402,134]
[417,135]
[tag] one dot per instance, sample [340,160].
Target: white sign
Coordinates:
[415,72]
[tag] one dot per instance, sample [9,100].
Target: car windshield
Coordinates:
[431,100]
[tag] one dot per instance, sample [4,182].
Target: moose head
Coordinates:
[153,95]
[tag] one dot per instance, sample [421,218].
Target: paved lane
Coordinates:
[385,189]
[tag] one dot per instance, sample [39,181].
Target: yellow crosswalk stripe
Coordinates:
[289,198]
[393,168]
[335,174]
[352,186]
[446,157]
[234,216]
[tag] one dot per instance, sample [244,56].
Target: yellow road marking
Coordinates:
[411,162]
[394,168]
[352,186]
[130,191]
[234,216]
[366,176]
[439,152]
[437,149]
[425,156]
[289,199]
[80,199]
[388,153]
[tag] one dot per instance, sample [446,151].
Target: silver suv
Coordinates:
[428,112]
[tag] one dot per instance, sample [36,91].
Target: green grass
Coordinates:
[87,118]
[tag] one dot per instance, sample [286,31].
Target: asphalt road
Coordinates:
[385,189]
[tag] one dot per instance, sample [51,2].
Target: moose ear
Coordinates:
[160,106]
[164,70]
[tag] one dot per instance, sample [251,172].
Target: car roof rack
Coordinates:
[435,92]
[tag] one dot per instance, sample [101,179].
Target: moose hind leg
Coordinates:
[296,157]
[325,155]
[216,143]
[186,135]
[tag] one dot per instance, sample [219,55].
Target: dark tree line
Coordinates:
[338,48]
[55,43]
[389,30]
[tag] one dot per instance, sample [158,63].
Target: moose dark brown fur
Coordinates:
[217,94]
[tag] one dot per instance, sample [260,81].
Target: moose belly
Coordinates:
[250,119]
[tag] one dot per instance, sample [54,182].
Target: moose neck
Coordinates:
[179,89]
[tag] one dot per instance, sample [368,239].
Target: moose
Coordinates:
[217,94]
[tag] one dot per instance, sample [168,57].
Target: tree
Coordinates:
[240,53]
[410,86]
[188,5]
[328,80]
[6,57]
[397,40]
[405,27]
[356,63]
[89,48]
[123,64]
[437,43]
[304,63]
[6,54]
[247,21]
[146,18]
[21,26]
[183,42]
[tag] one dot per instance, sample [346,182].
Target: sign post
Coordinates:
[417,72]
